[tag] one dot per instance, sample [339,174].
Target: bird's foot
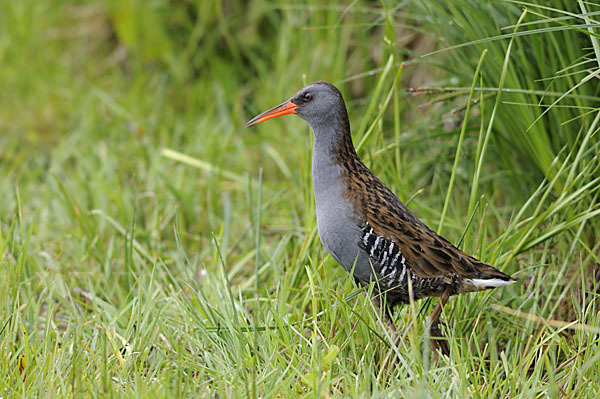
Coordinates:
[438,340]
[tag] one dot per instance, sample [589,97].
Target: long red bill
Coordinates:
[287,107]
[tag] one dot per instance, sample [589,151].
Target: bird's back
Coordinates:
[401,247]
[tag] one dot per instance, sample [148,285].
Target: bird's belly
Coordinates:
[340,235]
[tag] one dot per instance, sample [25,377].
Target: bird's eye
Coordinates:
[308,97]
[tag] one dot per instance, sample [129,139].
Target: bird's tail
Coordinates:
[490,278]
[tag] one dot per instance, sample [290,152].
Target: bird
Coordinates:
[367,229]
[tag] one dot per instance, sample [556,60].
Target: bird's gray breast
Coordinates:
[338,225]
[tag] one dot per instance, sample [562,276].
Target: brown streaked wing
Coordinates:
[428,255]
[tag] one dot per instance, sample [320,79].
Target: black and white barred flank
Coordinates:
[389,263]
[386,255]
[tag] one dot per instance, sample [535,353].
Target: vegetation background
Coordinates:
[151,246]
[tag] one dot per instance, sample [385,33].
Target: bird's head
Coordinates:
[317,103]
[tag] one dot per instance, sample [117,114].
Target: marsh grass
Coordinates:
[151,246]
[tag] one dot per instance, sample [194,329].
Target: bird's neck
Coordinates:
[333,155]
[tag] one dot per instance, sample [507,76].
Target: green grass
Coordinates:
[150,245]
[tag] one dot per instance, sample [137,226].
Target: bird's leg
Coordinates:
[386,309]
[380,302]
[437,339]
[387,313]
